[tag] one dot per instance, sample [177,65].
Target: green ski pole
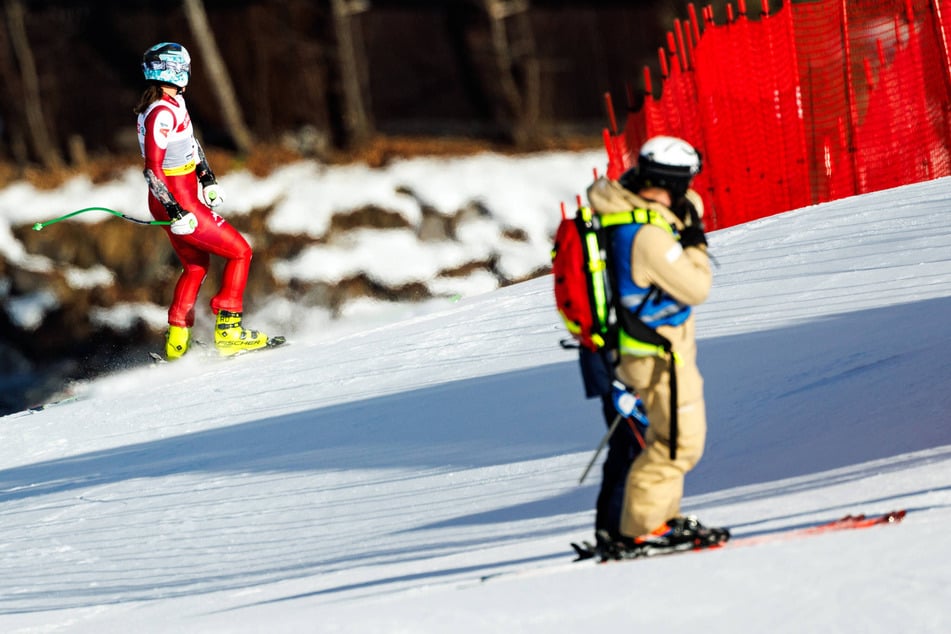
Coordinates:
[40,225]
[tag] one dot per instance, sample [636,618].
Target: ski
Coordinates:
[206,352]
[587,550]
[848,522]
[272,342]
[62,401]
[41,407]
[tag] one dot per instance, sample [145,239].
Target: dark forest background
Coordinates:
[323,76]
[274,81]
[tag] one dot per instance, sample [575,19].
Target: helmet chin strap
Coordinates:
[178,89]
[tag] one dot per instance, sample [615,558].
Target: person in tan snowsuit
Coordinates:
[662,270]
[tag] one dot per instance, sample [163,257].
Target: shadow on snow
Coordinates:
[782,403]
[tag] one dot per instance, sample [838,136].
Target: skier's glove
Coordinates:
[212,194]
[625,402]
[184,224]
[692,236]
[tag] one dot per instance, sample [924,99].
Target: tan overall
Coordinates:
[655,482]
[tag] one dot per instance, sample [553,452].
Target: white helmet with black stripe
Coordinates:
[666,162]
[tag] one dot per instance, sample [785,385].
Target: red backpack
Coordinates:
[584,293]
[582,283]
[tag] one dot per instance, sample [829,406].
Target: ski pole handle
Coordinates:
[40,225]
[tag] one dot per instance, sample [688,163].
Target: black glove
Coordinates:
[174,210]
[207,178]
[692,236]
[183,222]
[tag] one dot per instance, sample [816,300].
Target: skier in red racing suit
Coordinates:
[174,167]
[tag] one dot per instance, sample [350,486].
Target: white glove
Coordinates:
[212,195]
[184,225]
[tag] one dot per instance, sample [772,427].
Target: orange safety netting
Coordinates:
[818,101]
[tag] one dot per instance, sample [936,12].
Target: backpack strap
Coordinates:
[637,329]
[636,216]
[631,322]
[600,297]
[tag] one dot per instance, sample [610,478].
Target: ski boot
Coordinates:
[689,530]
[177,340]
[675,535]
[231,338]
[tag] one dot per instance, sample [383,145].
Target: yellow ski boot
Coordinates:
[231,338]
[177,340]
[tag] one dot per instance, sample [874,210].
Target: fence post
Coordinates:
[850,95]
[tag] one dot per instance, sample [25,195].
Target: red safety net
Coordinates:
[818,101]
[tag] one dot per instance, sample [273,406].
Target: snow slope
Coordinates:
[381,481]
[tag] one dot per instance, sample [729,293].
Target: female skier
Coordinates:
[174,167]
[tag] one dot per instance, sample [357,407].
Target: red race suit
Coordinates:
[171,156]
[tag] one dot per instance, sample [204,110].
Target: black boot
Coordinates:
[676,535]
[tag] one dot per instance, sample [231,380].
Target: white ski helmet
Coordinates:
[167,63]
[666,162]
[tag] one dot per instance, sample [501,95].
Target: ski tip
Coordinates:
[894,517]
[275,341]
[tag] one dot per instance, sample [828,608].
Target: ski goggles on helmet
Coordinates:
[173,65]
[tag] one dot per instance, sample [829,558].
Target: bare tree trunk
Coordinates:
[352,69]
[261,15]
[517,66]
[9,112]
[32,103]
[218,74]
[308,52]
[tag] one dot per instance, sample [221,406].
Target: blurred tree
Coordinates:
[220,82]
[29,84]
[11,128]
[352,71]
[516,68]
[327,74]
